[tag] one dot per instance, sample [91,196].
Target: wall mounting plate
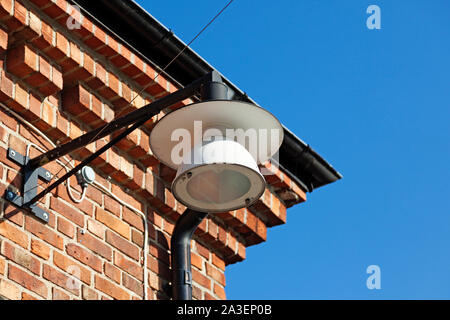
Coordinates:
[29,187]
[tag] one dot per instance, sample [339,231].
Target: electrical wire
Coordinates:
[160,72]
[71,196]
[144,217]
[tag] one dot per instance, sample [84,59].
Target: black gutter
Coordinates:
[158,45]
[298,159]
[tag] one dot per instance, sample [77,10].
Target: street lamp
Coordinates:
[217,172]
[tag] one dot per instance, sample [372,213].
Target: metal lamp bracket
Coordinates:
[29,185]
[32,168]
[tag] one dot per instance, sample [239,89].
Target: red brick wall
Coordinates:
[66,83]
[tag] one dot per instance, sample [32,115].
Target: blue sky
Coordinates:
[376,105]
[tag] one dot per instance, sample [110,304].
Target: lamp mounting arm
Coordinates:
[31,168]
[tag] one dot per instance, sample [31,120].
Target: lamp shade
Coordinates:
[227,178]
[216,147]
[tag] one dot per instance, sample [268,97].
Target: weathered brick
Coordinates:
[3,41]
[45,68]
[137,237]
[9,290]
[133,219]
[20,12]
[43,232]
[216,274]
[88,294]
[13,214]
[132,284]
[35,23]
[76,100]
[58,294]
[40,249]
[66,227]
[218,262]
[220,292]
[122,245]
[128,266]
[95,195]
[66,211]
[203,251]
[110,288]
[126,197]
[62,43]
[35,105]
[6,87]
[84,256]
[61,280]
[112,222]
[21,257]
[159,253]
[94,244]
[112,272]
[74,130]
[21,96]
[196,260]
[112,205]
[27,296]
[49,114]
[6,8]
[22,61]
[197,293]
[209,296]
[96,228]
[17,144]
[241,250]
[199,278]
[70,266]
[27,281]
[14,234]
[2,265]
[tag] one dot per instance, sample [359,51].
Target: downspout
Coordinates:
[180,243]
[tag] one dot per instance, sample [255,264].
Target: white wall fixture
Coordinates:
[216,147]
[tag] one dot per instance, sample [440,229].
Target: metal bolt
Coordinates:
[48,175]
[83,231]
[45,216]
[9,195]
[12,153]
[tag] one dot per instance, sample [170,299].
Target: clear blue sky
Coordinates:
[376,105]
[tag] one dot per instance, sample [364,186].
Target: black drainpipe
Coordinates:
[180,243]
